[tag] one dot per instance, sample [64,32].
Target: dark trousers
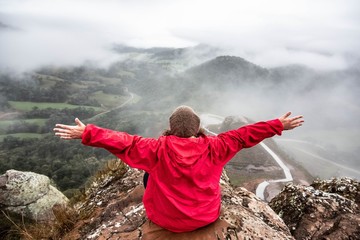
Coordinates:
[145,179]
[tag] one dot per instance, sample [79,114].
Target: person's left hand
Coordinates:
[70,132]
[291,122]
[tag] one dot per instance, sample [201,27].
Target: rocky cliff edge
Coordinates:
[117,212]
[111,208]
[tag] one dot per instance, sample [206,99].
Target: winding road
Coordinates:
[208,119]
[288,177]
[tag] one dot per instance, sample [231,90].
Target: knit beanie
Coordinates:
[184,122]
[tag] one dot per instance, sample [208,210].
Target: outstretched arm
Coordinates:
[291,122]
[136,151]
[70,132]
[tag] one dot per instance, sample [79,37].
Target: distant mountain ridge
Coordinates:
[187,56]
[204,64]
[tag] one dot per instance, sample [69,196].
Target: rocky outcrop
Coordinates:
[114,210]
[325,210]
[346,187]
[111,208]
[29,194]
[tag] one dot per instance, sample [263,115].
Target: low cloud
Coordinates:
[320,34]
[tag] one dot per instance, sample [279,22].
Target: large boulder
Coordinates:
[115,211]
[327,209]
[29,194]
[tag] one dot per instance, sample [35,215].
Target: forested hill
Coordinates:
[235,71]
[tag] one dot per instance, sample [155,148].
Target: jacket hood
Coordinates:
[186,151]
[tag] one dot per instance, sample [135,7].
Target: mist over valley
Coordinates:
[138,93]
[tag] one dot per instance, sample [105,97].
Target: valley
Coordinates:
[137,95]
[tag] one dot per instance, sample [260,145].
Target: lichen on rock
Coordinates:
[325,210]
[29,194]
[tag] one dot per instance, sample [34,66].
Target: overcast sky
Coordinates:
[323,34]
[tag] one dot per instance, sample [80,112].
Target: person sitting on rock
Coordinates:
[185,166]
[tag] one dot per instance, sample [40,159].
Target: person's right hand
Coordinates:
[70,132]
[291,122]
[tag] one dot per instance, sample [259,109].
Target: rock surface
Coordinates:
[325,210]
[115,211]
[111,208]
[29,194]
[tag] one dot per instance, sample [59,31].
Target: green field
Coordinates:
[4,124]
[28,106]
[23,135]
[107,81]
[108,100]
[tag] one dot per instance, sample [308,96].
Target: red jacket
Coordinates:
[183,191]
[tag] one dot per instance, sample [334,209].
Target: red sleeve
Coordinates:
[227,144]
[136,151]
